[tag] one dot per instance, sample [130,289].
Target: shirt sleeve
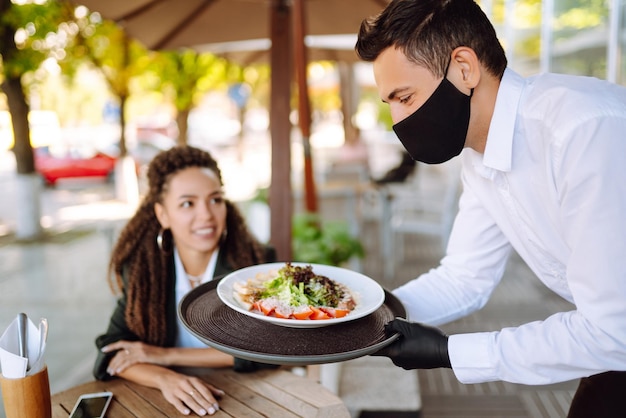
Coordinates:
[590,178]
[475,260]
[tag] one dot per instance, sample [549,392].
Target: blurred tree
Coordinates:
[185,76]
[107,46]
[29,34]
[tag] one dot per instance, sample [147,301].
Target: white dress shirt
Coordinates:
[551,184]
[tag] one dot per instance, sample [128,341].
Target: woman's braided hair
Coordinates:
[137,256]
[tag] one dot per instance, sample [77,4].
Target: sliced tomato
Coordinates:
[304,312]
[340,313]
[266,307]
[335,312]
[319,314]
[282,313]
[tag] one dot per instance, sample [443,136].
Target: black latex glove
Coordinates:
[419,346]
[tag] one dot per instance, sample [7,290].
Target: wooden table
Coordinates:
[267,393]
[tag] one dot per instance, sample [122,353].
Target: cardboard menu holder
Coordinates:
[27,397]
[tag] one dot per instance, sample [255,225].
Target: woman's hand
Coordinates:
[189,393]
[130,353]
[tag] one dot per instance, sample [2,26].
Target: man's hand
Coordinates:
[419,346]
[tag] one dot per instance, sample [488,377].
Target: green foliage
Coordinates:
[384,115]
[580,13]
[30,33]
[527,14]
[320,242]
[370,98]
[262,195]
[105,44]
[187,75]
[580,18]
[258,78]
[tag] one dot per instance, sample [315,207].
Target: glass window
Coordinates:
[621,55]
[524,22]
[518,25]
[580,36]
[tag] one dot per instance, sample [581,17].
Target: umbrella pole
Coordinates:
[280,196]
[304,106]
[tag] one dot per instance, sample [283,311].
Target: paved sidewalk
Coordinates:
[63,281]
[62,277]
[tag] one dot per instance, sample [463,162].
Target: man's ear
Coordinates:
[161,215]
[464,69]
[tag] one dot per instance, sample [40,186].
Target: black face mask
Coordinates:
[436,131]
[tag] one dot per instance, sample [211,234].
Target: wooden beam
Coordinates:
[280,196]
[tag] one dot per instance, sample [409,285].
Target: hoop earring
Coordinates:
[223,237]
[160,240]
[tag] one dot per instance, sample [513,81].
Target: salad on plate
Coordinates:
[294,292]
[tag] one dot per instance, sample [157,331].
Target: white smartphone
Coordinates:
[92,405]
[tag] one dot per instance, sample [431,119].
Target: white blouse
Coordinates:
[183,337]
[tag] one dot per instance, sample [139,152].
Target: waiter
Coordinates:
[544,174]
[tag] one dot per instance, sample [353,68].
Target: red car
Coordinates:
[52,167]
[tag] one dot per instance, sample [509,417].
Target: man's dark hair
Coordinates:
[427,31]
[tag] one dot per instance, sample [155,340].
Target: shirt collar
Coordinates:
[499,148]
[182,282]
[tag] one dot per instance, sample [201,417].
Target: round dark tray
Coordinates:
[208,318]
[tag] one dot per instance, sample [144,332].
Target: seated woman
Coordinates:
[184,233]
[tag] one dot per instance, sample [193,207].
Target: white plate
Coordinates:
[368,294]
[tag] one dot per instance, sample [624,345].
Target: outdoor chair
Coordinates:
[426,203]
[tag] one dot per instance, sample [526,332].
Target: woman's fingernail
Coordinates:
[104,349]
[202,412]
[186,411]
[211,411]
[216,406]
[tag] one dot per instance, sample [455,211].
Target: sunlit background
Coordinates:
[75,107]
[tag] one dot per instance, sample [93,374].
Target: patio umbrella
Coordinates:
[338,48]
[171,24]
